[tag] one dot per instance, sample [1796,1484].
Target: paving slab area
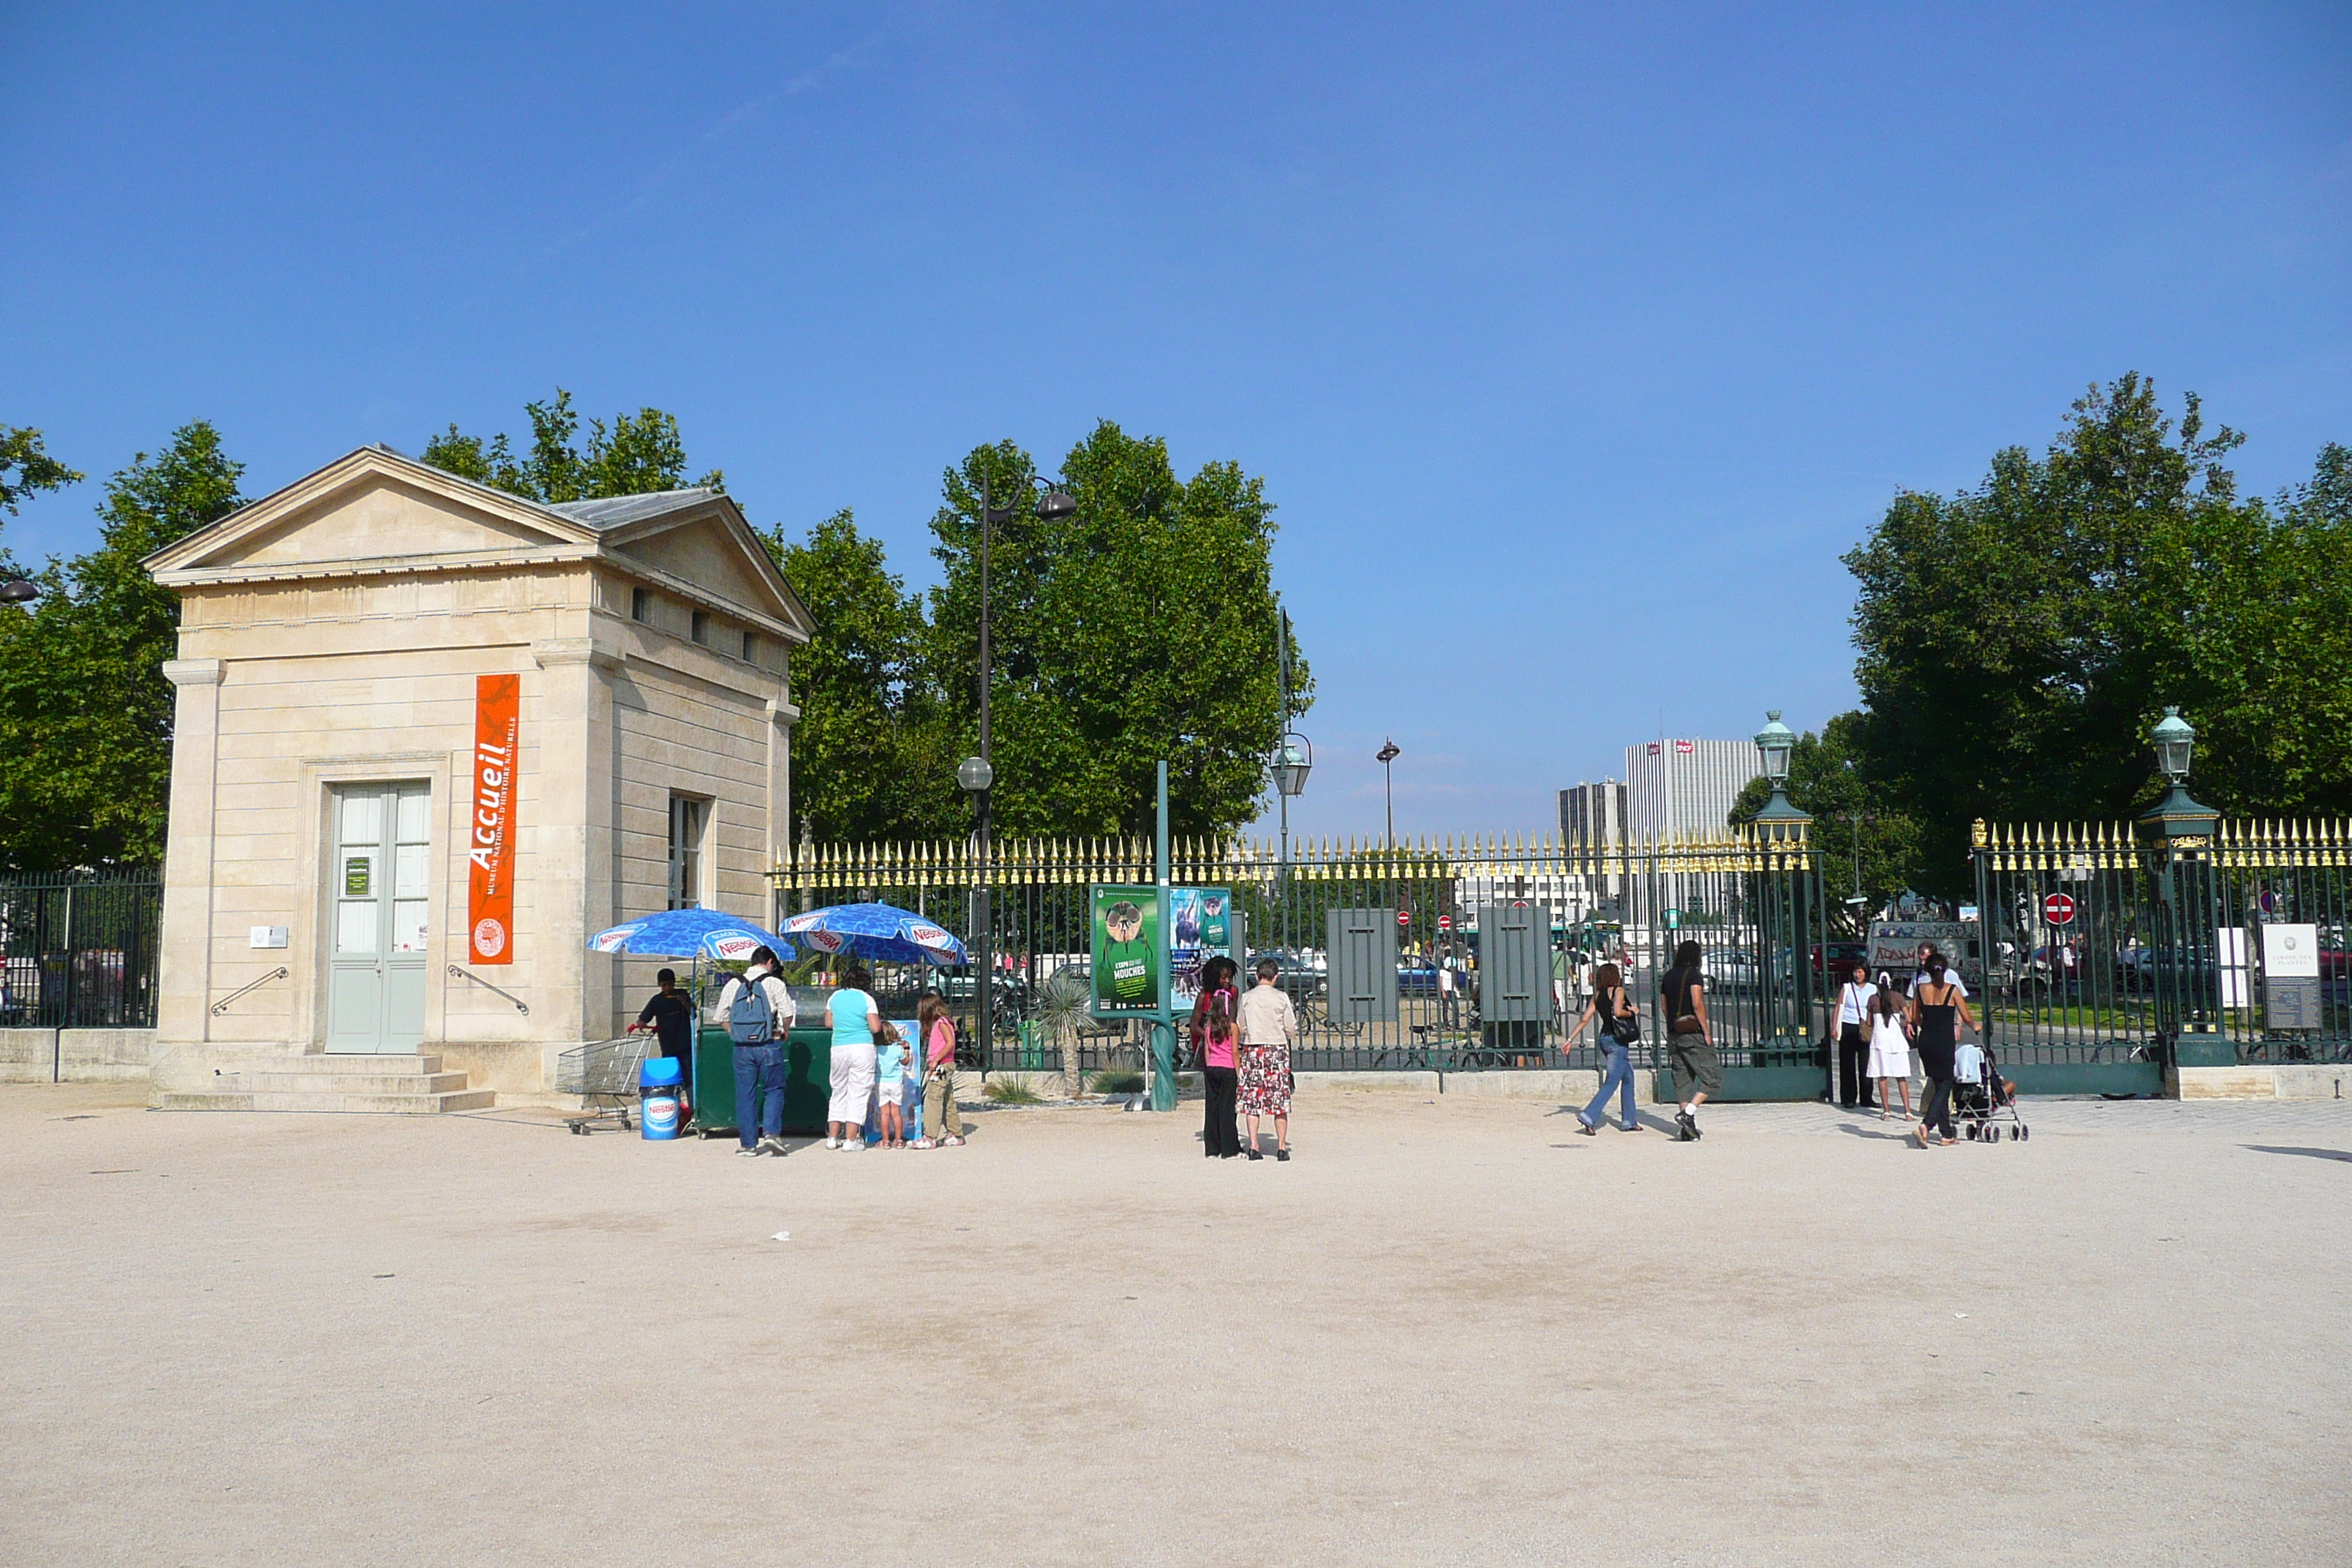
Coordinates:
[1451,1330]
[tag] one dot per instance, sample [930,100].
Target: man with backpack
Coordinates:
[757,1008]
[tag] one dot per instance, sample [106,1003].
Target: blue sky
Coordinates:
[1531,317]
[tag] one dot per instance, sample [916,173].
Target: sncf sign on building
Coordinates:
[442,735]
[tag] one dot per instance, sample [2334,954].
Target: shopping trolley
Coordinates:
[602,1070]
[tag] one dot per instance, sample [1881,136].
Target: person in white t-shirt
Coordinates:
[1928,958]
[1851,1026]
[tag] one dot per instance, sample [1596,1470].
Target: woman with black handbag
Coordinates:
[1619,1027]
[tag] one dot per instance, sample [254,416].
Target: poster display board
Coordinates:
[2291,977]
[1125,923]
[1201,930]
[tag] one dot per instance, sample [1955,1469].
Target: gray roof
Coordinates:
[614,511]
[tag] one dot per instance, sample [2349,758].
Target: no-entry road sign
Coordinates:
[2058,908]
[1404,917]
[1445,922]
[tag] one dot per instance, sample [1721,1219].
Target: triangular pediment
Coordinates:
[714,550]
[374,508]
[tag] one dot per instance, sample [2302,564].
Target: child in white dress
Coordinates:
[1890,1047]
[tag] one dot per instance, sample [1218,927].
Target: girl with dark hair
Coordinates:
[1690,1043]
[1610,1011]
[1937,1005]
[1890,1046]
[1213,1042]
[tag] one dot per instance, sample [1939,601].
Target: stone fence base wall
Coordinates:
[75,1056]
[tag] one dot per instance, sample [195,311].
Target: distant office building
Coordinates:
[1592,816]
[1685,789]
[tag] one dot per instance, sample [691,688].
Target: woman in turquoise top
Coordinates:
[856,1021]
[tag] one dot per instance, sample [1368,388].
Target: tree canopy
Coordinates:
[2017,641]
[1140,628]
[1867,845]
[26,467]
[638,454]
[85,711]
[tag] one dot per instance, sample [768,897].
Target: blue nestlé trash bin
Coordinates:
[658,1087]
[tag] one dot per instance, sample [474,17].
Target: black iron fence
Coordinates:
[78,952]
[1752,902]
[2110,955]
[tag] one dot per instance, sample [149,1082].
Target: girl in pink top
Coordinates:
[1213,1034]
[943,1123]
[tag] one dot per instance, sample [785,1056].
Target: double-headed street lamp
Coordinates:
[1388,753]
[976,775]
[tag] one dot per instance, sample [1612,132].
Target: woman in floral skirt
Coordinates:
[1269,1028]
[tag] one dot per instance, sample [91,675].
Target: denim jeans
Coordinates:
[1617,1073]
[759,1093]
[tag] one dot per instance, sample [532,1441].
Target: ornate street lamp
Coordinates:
[18,591]
[2179,835]
[2176,818]
[1292,763]
[1779,819]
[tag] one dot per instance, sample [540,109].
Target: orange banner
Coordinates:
[489,897]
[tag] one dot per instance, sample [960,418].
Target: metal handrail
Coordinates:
[221,1006]
[463,974]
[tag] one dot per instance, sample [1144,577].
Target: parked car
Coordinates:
[1833,961]
[1303,973]
[1417,976]
[1729,971]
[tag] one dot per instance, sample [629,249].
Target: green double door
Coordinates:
[378,897]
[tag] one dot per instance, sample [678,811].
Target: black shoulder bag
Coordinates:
[1625,1031]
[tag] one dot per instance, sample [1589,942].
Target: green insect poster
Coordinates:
[1127,976]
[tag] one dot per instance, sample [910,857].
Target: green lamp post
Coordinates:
[1781,822]
[2177,834]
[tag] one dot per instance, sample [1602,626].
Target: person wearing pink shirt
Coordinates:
[1215,1032]
[943,1123]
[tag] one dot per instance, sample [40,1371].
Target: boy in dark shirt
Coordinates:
[670,1014]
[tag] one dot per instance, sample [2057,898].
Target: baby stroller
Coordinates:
[1983,1101]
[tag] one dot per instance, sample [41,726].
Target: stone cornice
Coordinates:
[194,671]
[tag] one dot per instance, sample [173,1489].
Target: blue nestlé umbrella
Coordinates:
[882,932]
[689,933]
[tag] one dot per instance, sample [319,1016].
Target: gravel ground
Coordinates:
[1451,1330]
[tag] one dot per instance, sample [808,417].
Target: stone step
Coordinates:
[326,1101]
[365,1065]
[276,1080]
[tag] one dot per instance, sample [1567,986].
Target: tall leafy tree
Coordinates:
[638,454]
[873,754]
[26,466]
[85,711]
[2018,640]
[1866,845]
[1141,628]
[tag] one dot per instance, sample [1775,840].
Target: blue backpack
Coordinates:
[750,1020]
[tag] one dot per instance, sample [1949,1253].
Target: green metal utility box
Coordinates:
[808,1081]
